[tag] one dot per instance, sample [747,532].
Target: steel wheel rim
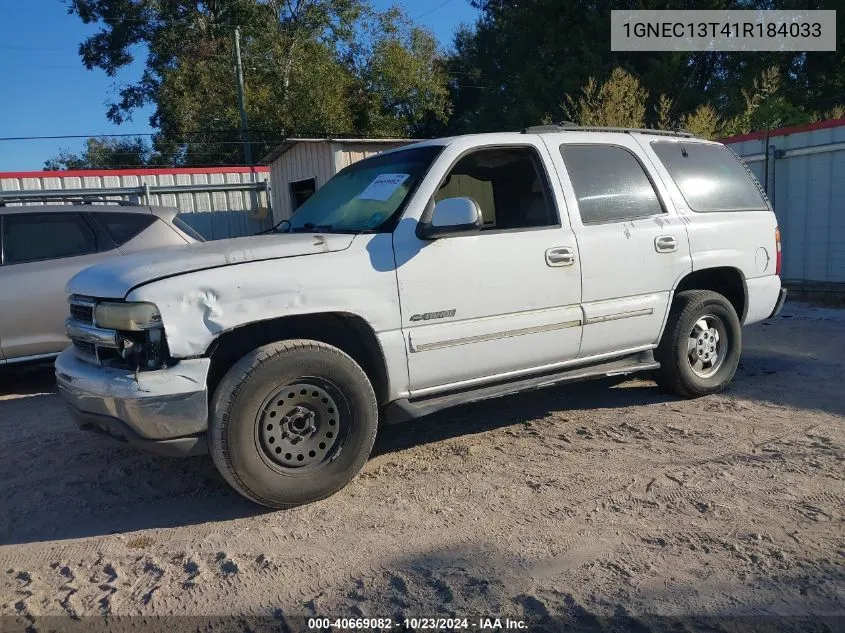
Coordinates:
[301,426]
[707,346]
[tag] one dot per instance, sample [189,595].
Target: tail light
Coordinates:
[779,260]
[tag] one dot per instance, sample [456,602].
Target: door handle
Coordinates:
[562,256]
[665,244]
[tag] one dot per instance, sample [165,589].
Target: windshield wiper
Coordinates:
[275,228]
[310,227]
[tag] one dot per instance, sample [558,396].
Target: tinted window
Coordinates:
[710,177]
[122,227]
[508,185]
[38,236]
[610,184]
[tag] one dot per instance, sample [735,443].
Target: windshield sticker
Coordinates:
[383,187]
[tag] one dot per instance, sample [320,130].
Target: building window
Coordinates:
[300,191]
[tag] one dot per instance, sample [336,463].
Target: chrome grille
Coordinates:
[82,312]
[88,340]
[89,349]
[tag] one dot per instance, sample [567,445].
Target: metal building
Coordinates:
[218,202]
[300,166]
[803,171]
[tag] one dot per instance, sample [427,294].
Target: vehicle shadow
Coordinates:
[60,483]
[488,415]
[27,379]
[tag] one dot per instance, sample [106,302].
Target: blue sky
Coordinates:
[48,92]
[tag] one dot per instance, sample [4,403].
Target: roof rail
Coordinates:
[568,126]
[7,197]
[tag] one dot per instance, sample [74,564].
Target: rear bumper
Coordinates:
[779,304]
[165,411]
[764,295]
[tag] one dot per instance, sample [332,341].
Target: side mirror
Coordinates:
[452,216]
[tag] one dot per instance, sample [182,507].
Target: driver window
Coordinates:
[508,185]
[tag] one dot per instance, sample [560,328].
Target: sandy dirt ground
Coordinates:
[594,506]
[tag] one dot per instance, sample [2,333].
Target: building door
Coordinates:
[300,191]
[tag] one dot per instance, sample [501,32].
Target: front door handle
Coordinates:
[665,244]
[562,256]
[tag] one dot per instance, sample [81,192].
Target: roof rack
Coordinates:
[568,126]
[33,196]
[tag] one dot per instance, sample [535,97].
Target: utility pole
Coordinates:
[239,72]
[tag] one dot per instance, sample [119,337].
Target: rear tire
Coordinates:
[701,345]
[292,422]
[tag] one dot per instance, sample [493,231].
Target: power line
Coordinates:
[439,6]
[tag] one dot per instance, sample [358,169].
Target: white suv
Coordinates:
[443,272]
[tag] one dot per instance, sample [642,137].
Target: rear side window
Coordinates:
[180,223]
[710,177]
[122,227]
[610,184]
[39,236]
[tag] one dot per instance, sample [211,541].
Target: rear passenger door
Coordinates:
[41,252]
[633,247]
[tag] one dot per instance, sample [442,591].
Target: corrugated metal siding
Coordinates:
[215,215]
[301,162]
[808,195]
[353,153]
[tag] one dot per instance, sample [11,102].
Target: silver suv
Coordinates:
[42,247]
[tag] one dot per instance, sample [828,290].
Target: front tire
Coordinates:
[701,345]
[292,422]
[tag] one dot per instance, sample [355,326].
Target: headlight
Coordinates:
[132,317]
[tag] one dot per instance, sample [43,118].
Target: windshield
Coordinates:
[367,194]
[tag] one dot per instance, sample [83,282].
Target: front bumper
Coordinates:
[164,411]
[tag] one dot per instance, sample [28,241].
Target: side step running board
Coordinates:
[409,409]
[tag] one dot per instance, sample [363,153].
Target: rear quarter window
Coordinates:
[122,227]
[711,177]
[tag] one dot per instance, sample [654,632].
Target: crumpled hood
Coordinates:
[116,277]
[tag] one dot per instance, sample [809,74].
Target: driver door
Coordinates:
[501,301]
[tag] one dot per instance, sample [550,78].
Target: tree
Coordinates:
[107,153]
[703,121]
[403,83]
[516,64]
[311,67]
[618,102]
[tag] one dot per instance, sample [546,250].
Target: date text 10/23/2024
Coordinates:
[416,624]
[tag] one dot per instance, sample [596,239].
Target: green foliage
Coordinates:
[107,153]
[315,67]
[524,62]
[703,121]
[618,102]
[338,67]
